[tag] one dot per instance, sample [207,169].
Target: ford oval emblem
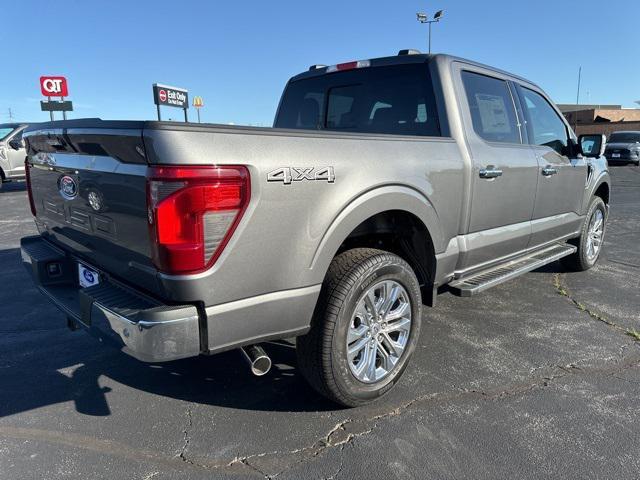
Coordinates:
[68,187]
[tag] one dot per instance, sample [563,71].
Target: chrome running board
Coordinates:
[479,281]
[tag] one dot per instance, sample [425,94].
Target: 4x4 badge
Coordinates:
[287,175]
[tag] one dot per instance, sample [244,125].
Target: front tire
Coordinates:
[365,327]
[591,238]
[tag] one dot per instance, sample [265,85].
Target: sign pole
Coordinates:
[64,113]
[185,115]
[198,104]
[51,111]
[158,108]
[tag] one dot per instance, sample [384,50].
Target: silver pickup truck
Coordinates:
[382,182]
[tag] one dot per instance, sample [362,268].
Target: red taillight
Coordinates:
[192,213]
[27,172]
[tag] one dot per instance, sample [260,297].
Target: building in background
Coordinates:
[600,118]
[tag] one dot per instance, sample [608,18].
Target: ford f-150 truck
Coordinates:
[383,182]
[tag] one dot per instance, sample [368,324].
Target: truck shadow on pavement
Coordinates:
[43,363]
[15,186]
[221,380]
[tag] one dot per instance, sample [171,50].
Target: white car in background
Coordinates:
[12,151]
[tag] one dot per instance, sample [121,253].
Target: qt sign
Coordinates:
[54,86]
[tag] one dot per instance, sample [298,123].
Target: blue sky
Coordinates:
[238,55]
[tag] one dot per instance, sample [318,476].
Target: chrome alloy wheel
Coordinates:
[595,235]
[379,331]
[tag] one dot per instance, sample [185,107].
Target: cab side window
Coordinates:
[491,106]
[545,127]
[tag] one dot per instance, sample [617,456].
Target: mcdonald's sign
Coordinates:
[198,102]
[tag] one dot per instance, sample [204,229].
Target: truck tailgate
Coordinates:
[88,188]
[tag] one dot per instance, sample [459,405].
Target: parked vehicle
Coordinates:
[382,182]
[623,147]
[12,151]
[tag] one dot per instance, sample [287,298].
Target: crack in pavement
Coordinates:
[497,393]
[342,434]
[339,470]
[183,451]
[623,263]
[563,290]
[338,436]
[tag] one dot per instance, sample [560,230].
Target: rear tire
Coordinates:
[370,304]
[590,241]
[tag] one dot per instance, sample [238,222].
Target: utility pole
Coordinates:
[578,94]
[424,18]
[575,123]
[10,114]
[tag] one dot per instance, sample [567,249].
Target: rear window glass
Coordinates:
[491,107]
[396,100]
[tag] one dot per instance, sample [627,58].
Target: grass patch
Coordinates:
[633,333]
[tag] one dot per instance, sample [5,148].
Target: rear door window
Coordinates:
[393,100]
[491,106]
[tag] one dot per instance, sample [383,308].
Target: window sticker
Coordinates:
[493,113]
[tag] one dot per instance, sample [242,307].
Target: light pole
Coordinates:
[424,18]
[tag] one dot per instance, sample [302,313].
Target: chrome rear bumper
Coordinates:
[139,325]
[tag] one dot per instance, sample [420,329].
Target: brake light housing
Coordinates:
[192,213]
[348,66]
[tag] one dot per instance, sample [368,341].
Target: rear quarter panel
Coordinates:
[290,233]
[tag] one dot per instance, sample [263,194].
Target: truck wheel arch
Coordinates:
[602,191]
[367,219]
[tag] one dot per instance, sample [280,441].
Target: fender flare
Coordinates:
[602,179]
[365,206]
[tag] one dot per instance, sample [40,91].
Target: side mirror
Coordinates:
[592,145]
[16,143]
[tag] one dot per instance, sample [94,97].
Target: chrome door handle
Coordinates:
[490,172]
[549,170]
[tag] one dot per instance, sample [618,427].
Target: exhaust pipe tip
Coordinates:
[258,360]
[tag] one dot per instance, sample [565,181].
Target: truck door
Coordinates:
[504,173]
[562,175]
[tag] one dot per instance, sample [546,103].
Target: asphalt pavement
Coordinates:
[535,378]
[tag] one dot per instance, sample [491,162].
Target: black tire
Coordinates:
[580,261]
[322,353]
